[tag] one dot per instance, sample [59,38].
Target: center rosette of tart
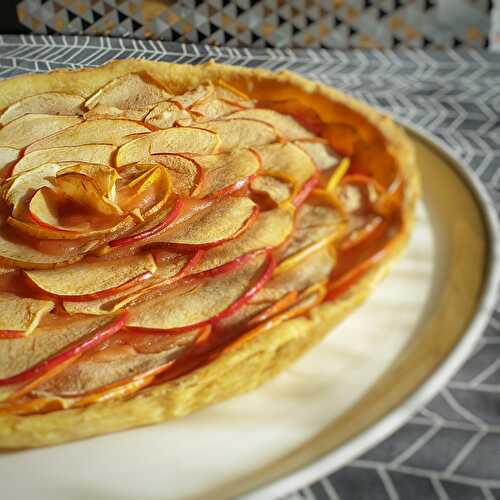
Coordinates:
[70,200]
[144,231]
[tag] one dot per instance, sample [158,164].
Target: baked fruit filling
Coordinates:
[144,231]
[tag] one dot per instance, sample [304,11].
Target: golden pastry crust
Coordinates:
[260,357]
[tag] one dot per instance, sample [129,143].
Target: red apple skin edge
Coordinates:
[96,338]
[233,188]
[244,299]
[306,190]
[11,334]
[97,295]
[169,219]
[43,224]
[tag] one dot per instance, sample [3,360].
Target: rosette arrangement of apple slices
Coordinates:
[143,233]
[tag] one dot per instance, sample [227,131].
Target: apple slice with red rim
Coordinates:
[167,114]
[320,152]
[315,268]
[221,221]
[195,96]
[20,316]
[51,103]
[176,140]
[17,251]
[226,172]
[186,173]
[65,338]
[105,131]
[213,108]
[29,129]
[131,91]
[92,280]
[240,133]
[168,272]
[87,153]
[198,302]
[285,125]
[288,161]
[270,230]
[271,189]
[101,111]
[123,356]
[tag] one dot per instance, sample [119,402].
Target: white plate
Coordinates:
[367,378]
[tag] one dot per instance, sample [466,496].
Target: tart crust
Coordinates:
[253,361]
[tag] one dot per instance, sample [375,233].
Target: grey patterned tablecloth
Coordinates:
[451,448]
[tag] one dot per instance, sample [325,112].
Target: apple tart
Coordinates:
[173,235]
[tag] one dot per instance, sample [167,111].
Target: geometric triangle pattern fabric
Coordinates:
[434,24]
[450,449]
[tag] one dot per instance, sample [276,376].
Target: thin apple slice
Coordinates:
[359,196]
[116,363]
[30,128]
[151,228]
[90,153]
[8,156]
[21,188]
[102,111]
[270,230]
[21,315]
[132,91]
[316,268]
[213,108]
[92,280]
[42,210]
[178,140]
[232,95]
[167,114]
[105,131]
[197,303]
[192,97]
[285,125]
[15,252]
[320,152]
[287,161]
[166,273]
[219,222]
[25,359]
[317,219]
[186,173]
[50,103]
[45,227]
[226,172]
[241,133]
[277,190]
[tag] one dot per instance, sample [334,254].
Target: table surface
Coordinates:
[451,448]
